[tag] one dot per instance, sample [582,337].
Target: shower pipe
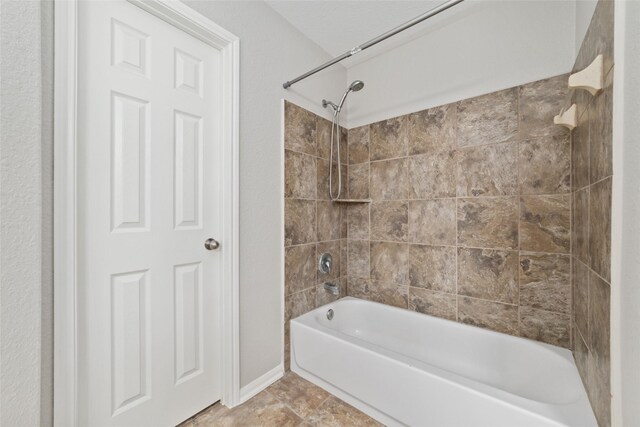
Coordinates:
[436,10]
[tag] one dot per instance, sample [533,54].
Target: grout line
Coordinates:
[571,248]
[488,300]
[456,136]
[501,196]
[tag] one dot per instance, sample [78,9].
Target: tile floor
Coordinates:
[291,401]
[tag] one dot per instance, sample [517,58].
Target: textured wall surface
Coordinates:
[591,205]
[25,212]
[271,51]
[313,224]
[470,218]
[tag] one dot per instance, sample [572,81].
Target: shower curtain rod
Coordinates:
[436,10]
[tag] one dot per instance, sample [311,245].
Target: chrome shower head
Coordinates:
[356,85]
[353,87]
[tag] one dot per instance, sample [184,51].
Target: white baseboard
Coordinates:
[260,383]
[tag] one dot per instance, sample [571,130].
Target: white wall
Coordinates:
[482,47]
[625,239]
[271,52]
[25,213]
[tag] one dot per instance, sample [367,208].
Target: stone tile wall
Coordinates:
[313,224]
[592,169]
[471,212]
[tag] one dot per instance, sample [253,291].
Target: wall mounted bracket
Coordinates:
[567,118]
[591,78]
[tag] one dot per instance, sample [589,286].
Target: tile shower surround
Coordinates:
[313,224]
[471,212]
[592,170]
[470,218]
[483,212]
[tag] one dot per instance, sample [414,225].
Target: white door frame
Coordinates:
[65,177]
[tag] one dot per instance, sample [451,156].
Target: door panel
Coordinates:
[149,121]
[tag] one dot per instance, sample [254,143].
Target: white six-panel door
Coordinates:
[149,177]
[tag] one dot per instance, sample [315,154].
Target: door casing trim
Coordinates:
[65,192]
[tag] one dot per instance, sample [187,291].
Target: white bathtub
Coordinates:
[406,368]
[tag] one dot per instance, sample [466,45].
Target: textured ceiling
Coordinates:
[338,26]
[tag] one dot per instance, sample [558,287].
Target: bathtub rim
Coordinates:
[536,408]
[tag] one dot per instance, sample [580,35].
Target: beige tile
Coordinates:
[599,323]
[545,223]
[432,130]
[299,129]
[600,354]
[335,413]
[322,180]
[601,133]
[488,274]
[581,356]
[580,279]
[488,118]
[582,99]
[299,175]
[488,222]
[598,40]
[434,303]
[388,293]
[344,146]
[545,165]
[298,394]
[599,392]
[433,267]
[432,175]
[545,282]
[299,268]
[580,153]
[359,145]
[390,263]
[489,170]
[488,314]
[580,224]
[333,248]
[389,221]
[344,256]
[261,410]
[599,37]
[388,138]
[540,101]
[299,303]
[299,221]
[600,228]
[359,181]
[389,180]
[545,326]
[358,264]
[287,346]
[358,221]
[329,221]
[323,137]
[358,287]
[343,221]
[432,221]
